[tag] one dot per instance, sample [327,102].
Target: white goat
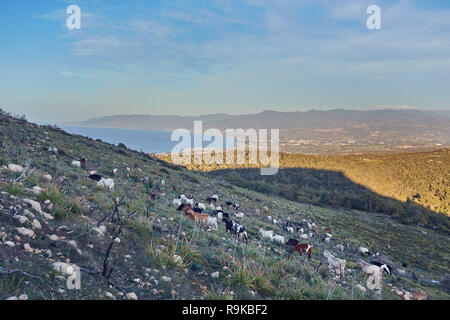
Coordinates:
[239,214]
[176,203]
[375,274]
[76,163]
[304,236]
[266,234]
[106,184]
[336,265]
[278,238]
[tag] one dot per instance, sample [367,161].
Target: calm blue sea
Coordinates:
[149,141]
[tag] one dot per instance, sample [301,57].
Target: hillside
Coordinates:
[412,187]
[131,240]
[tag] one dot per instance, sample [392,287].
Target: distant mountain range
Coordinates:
[314,131]
[312,119]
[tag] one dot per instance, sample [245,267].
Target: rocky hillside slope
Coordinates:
[130,243]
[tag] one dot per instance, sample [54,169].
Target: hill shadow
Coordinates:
[331,189]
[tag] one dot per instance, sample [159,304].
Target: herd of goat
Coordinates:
[198,212]
[307,230]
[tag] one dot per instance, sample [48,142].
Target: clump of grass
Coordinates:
[14,189]
[51,193]
[68,208]
[217,293]
[11,284]
[173,256]
[253,278]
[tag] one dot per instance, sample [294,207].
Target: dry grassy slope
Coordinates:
[399,176]
[150,235]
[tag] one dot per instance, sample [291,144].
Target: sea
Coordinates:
[149,141]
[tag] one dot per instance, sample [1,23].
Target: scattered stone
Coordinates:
[215,275]
[37,190]
[72,243]
[27,247]
[131,296]
[23,297]
[10,244]
[28,213]
[21,219]
[26,232]
[36,225]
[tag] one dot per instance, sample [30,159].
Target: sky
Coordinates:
[192,57]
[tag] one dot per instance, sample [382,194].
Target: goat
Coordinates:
[336,265]
[235,228]
[233,205]
[106,184]
[177,203]
[301,248]
[239,214]
[364,251]
[95,177]
[76,163]
[304,236]
[374,272]
[278,238]
[200,206]
[201,218]
[266,234]
[292,242]
[383,266]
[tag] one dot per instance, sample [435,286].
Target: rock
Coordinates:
[37,207]
[100,231]
[47,202]
[47,177]
[10,244]
[36,225]
[117,240]
[109,295]
[37,190]
[53,237]
[131,296]
[27,247]
[15,168]
[166,279]
[13,298]
[26,232]
[23,297]
[72,243]
[215,275]
[21,219]
[28,214]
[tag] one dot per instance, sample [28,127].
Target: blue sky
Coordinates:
[244,56]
